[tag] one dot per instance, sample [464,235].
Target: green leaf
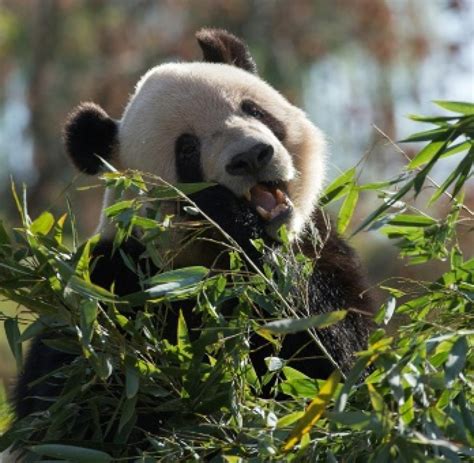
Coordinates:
[43,224]
[411,220]
[184,343]
[88,315]
[356,418]
[167,283]
[289,419]
[128,411]
[32,330]
[294,325]
[314,411]
[338,187]
[460,107]
[456,360]
[347,209]
[71,453]
[438,120]
[298,388]
[119,207]
[102,365]
[429,135]
[456,148]
[352,378]
[87,289]
[407,410]
[13,336]
[132,378]
[461,172]
[4,238]
[386,205]
[184,276]
[376,399]
[426,154]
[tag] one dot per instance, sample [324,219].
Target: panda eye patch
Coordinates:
[187,144]
[252,109]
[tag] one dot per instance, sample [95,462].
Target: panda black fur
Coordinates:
[217,121]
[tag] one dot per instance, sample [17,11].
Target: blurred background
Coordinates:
[351,64]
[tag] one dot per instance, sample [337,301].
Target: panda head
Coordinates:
[213,121]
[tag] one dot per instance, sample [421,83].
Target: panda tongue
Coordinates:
[263,197]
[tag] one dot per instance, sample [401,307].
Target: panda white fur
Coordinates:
[218,121]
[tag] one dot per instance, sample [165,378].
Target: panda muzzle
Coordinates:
[269,201]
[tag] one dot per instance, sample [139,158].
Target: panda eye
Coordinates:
[252,109]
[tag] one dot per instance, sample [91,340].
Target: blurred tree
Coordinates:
[63,52]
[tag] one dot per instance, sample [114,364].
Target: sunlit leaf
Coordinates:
[347,209]
[43,224]
[460,107]
[314,411]
[426,154]
[338,187]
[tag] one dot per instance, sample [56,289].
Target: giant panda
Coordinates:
[217,121]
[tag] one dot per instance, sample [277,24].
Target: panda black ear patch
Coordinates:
[220,46]
[88,133]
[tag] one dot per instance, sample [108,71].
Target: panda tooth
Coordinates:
[263,212]
[247,195]
[280,196]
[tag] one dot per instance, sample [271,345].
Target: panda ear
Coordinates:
[219,46]
[88,133]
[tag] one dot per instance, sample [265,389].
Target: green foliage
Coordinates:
[416,405]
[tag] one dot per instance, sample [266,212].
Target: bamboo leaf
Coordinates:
[13,336]
[184,343]
[347,209]
[426,154]
[128,411]
[88,316]
[429,135]
[386,205]
[456,360]
[338,187]
[314,411]
[132,378]
[409,220]
[294,325]
[461,172]
[184,276]
[460,107]
[43,224]
[71,453]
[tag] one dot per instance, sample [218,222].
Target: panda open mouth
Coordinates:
[269,200]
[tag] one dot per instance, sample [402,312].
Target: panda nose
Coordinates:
[251,161]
